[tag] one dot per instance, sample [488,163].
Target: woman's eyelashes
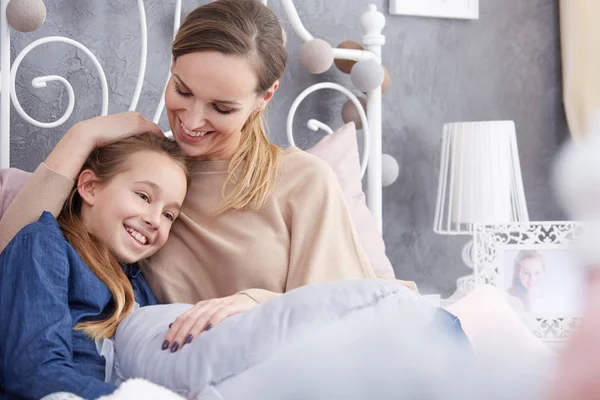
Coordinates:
[182,93]
[222,111]
[218,109]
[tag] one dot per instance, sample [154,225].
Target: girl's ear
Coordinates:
[87,186]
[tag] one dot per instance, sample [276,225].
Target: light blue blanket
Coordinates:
[335,340]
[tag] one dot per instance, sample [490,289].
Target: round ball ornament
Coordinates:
[316,56]
[346,65]
[386,80]
[367,75]
[390,170]
[350,113]
[25,15]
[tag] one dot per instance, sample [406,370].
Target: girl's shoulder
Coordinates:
[39,253]
[43,234]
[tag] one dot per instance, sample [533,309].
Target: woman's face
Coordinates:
[532,271]
[209,97]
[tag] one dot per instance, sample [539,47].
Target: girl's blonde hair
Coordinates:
[517,289]
[245,28]
[106,163]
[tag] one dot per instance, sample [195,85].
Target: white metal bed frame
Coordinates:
[372,22]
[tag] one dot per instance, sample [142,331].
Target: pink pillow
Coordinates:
[11,182]
[340,151]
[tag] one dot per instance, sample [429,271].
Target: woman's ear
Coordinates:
[262,103]
[87,186]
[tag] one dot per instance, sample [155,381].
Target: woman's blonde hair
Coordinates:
[106,163]
[245,28]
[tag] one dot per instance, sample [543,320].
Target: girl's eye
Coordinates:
[169,216]
[144,196]
[223,111]
[181,93]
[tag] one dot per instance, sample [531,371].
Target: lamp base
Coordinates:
[464,284]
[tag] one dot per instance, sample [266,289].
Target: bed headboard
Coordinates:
[372,22]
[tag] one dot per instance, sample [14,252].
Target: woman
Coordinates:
[66,283]
[257,221]
[528,276]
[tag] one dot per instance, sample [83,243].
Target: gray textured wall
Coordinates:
[506,65]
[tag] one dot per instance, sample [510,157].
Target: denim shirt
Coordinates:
[45,290]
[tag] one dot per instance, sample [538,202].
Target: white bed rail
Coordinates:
[372,22]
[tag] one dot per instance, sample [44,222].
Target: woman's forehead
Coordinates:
[216,75]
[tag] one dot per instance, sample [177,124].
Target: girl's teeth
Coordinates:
[137,236]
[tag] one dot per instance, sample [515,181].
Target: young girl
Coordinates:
[527,278]
[68,282]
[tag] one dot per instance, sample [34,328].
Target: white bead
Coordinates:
[390,170]
[367,75]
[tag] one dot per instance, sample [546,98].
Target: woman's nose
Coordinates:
[194,119]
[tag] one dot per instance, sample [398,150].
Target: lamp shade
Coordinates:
[480,177]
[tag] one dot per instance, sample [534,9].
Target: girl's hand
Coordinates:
[106,129]
[202,317]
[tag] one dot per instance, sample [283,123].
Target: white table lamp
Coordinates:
[480,181]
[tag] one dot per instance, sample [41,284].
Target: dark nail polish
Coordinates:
[170,325]
[189,338]
[175,347]
[208,327]
[165,345]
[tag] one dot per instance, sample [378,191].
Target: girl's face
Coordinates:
[133,212]
[209,97]
[532,271]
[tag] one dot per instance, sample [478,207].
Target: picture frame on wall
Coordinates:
[535,264]
[461,9]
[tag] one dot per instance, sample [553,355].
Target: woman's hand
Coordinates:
[70,153]
[106,129]
[202,317]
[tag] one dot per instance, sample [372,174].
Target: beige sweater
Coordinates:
[302,235]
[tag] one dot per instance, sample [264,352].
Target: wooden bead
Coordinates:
[346,65]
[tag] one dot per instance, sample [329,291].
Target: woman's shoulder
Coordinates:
[303,165]
[304,173]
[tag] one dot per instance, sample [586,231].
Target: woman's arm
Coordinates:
[324,243]
[36,328]
[50,185]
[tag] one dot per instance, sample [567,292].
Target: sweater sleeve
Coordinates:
[36,329]
[46,190]
[11,182]
[324,243]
